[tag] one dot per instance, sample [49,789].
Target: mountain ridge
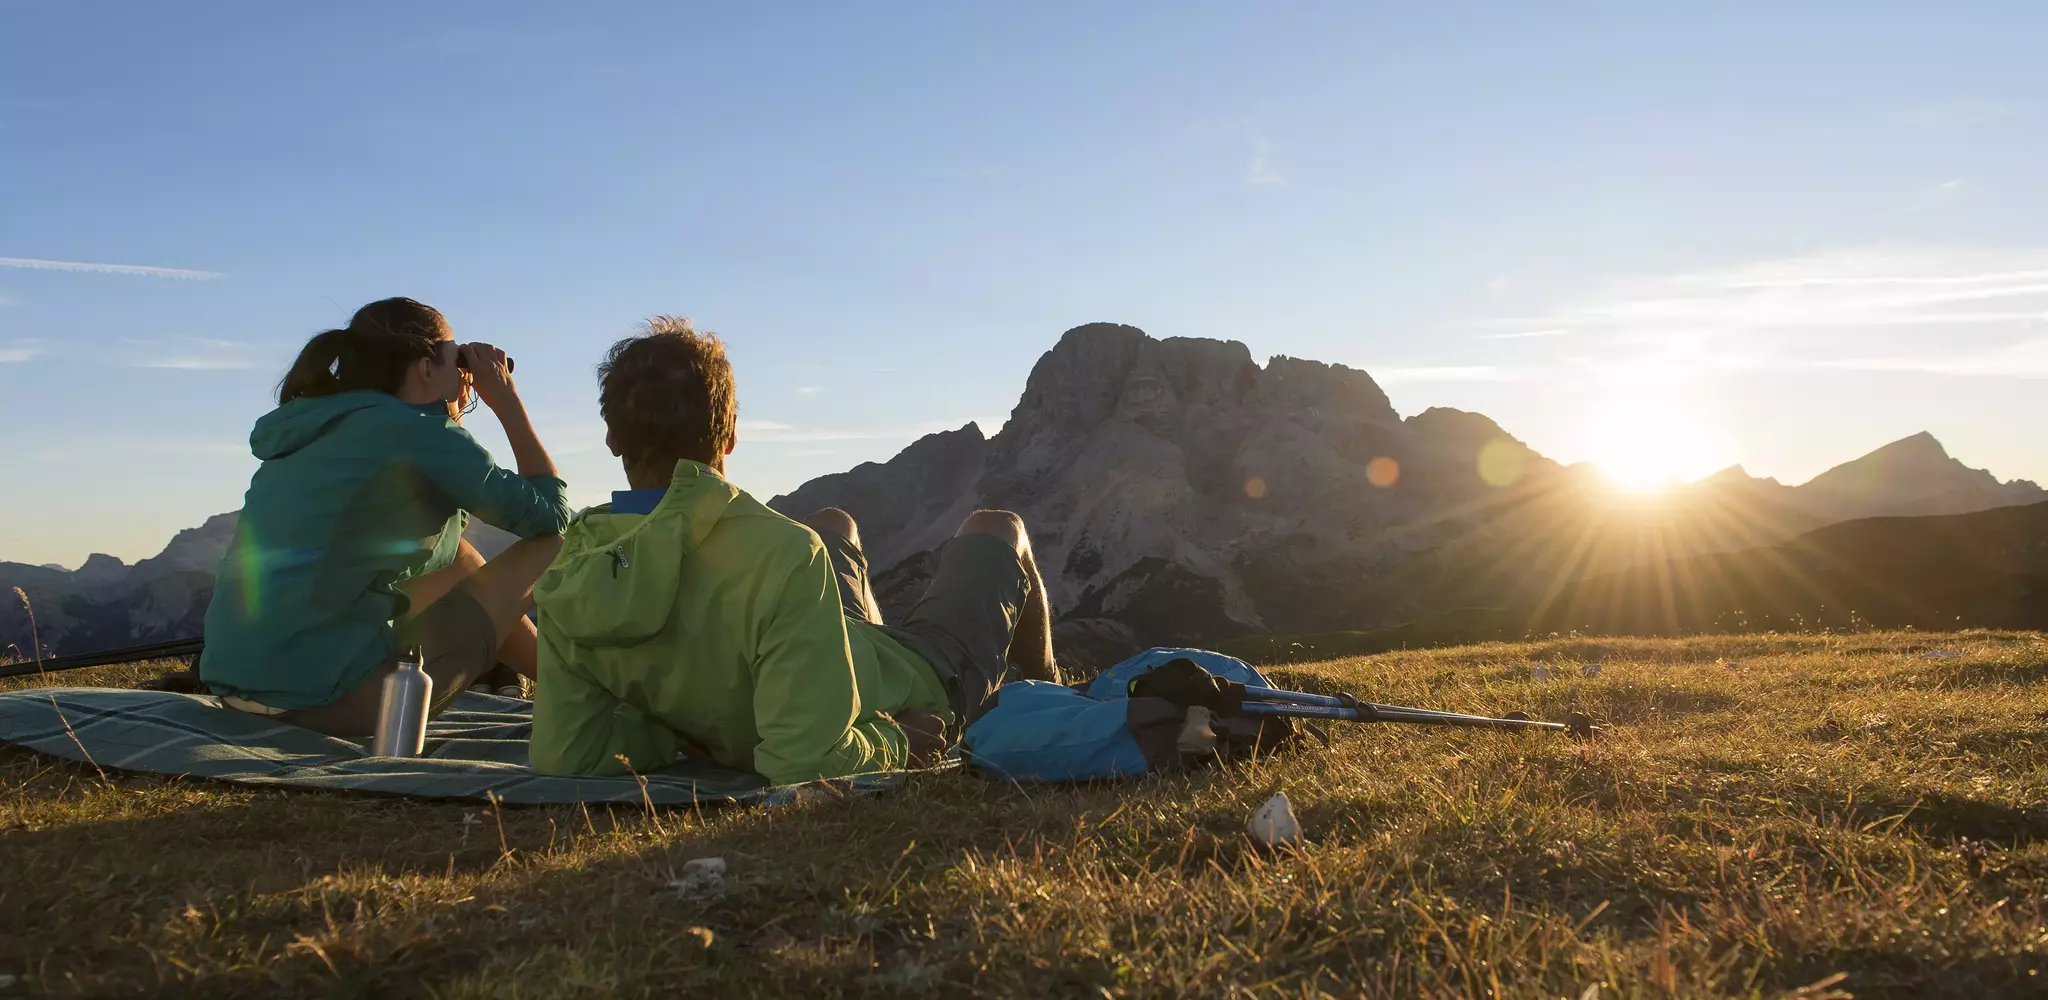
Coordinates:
[1178,491]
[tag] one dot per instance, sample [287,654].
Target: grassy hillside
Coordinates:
[1768,816]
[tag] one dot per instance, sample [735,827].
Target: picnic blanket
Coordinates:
[476,750]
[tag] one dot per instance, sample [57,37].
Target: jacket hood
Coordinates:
[302,421]
[618,573]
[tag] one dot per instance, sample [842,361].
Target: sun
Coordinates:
[1643,444]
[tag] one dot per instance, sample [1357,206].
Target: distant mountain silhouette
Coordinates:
[1179,492]
[1987,568]
[1914,475]
[105,603]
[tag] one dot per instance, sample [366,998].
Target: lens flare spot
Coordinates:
[1500,463]
[1255,487]
[249,565]
[1383,472]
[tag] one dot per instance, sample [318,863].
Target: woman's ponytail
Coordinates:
[381,341]
[313,373]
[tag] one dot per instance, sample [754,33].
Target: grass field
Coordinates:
[1767,816]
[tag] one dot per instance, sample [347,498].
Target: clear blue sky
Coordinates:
[1778,235]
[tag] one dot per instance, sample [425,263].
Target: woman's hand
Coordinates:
[489,375]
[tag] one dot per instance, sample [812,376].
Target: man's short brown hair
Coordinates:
[667,394]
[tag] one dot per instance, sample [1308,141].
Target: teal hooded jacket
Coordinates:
[357,492]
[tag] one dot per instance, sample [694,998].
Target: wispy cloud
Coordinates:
[14,354]
[1261,170]
[1443,373]
[2027,359]
[195,364]
[774,432]
[1525,334]
[809,390]
[1962,311]
[814,435]
[91,267]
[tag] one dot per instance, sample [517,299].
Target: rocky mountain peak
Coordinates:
[1913,475]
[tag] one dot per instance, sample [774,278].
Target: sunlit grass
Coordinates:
[1767,813]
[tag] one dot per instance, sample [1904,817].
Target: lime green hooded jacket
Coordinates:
[716,620]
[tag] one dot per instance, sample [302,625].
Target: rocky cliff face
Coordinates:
[1179,491]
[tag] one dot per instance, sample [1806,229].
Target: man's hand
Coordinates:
[488,374]
[926,735]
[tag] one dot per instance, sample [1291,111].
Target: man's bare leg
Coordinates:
[1030,651]
[833,522]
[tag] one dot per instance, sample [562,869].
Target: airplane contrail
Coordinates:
[91,267]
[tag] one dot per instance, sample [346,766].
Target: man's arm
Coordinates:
[580,728]
[807,708]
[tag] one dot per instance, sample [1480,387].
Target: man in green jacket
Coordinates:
[687,614]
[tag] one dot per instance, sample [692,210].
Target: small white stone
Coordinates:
[702,878]
[1539,672]
[8,982]
[1274,823]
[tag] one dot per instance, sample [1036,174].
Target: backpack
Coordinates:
[1160,711]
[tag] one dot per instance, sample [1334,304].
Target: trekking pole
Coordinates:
[1302,705]
[107,657]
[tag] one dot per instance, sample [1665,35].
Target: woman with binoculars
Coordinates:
[349,550]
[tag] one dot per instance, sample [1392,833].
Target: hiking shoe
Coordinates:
[511,691]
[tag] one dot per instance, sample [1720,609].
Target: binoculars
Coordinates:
[462,361]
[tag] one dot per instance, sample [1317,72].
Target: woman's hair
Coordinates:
[373,351]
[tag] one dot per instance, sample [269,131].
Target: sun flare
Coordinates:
[1646,444]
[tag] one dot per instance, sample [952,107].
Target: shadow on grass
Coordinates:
[1994,675]
[1906,973]
[1940,816]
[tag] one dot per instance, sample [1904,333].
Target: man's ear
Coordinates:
[732,440]
[611,442]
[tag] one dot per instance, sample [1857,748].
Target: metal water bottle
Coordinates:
[402,720]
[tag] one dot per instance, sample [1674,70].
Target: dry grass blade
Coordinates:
[35,642]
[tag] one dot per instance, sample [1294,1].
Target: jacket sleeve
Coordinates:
[807,708]
[527,506]
[581,728]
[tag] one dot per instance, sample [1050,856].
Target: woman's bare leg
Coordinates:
[504,587]
[517,644]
